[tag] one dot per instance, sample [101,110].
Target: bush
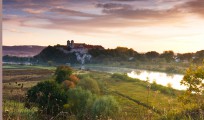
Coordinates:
[166,90]
[105,107]
[74,79]
[171,69]
[63,73]
[193,113]
[48,96]
[80,102]
[68,84]
[90,84]
[122,77]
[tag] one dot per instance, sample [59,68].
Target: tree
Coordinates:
[185,56]
[168,55]
[63,73]
[194,81]
[68,84]
[48,96]
[152,54]
[50,63]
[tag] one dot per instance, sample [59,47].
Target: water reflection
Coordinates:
[160,78]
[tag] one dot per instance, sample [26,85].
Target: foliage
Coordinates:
[194,113]
[171,69]
[162,89]
[80,102]
[68,84]
[53,54]
[168,55]
[63,73]
[90,84]
[122,77]
[194,79]
[74,79]
[105,107]
[185,56]
[152,55]
[48,96]
[199,56]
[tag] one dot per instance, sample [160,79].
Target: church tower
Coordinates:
[72,44]
[68,45]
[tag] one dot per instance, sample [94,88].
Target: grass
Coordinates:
[171,67]
[16,110]
[137,90]
[14,94]
[28,67]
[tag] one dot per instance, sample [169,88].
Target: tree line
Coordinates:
[53,55]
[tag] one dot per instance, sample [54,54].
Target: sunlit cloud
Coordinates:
[122,20]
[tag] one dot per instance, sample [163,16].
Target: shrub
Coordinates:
[80,102]
[74,79]
[193,113]
[63,73]
[48,96]
[171,69]
[90,84]
[166,90]
[68,84]
[105,107]
[122,77]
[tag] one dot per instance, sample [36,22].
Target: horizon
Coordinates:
[110,48]
[149,25]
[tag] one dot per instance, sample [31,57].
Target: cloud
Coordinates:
[128,0]
[127,11]
[195,6]
[104,14]
[71,12]
[34,11]
[114,6]
[15,31]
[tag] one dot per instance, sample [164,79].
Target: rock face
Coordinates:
[22,51]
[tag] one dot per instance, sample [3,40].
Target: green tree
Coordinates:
[168,55]
[152,55]
[48,96]
[63,73]
[194,81]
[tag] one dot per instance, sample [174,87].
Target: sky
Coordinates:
[144,25]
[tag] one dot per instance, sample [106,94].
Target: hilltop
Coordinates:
[22,50]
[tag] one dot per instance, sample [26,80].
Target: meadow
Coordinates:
[138,100]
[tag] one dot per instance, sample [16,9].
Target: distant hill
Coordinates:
[22,50]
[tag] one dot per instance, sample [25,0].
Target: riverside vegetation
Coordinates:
[168,61]
[69,94]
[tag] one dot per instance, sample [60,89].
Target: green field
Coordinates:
[18,79]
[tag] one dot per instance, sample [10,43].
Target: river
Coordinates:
[161,78]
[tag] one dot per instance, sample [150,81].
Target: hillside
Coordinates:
[22,50]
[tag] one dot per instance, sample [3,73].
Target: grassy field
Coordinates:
[28,67]
[171,67]
[18,79]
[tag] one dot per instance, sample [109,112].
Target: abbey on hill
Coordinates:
[77,47]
